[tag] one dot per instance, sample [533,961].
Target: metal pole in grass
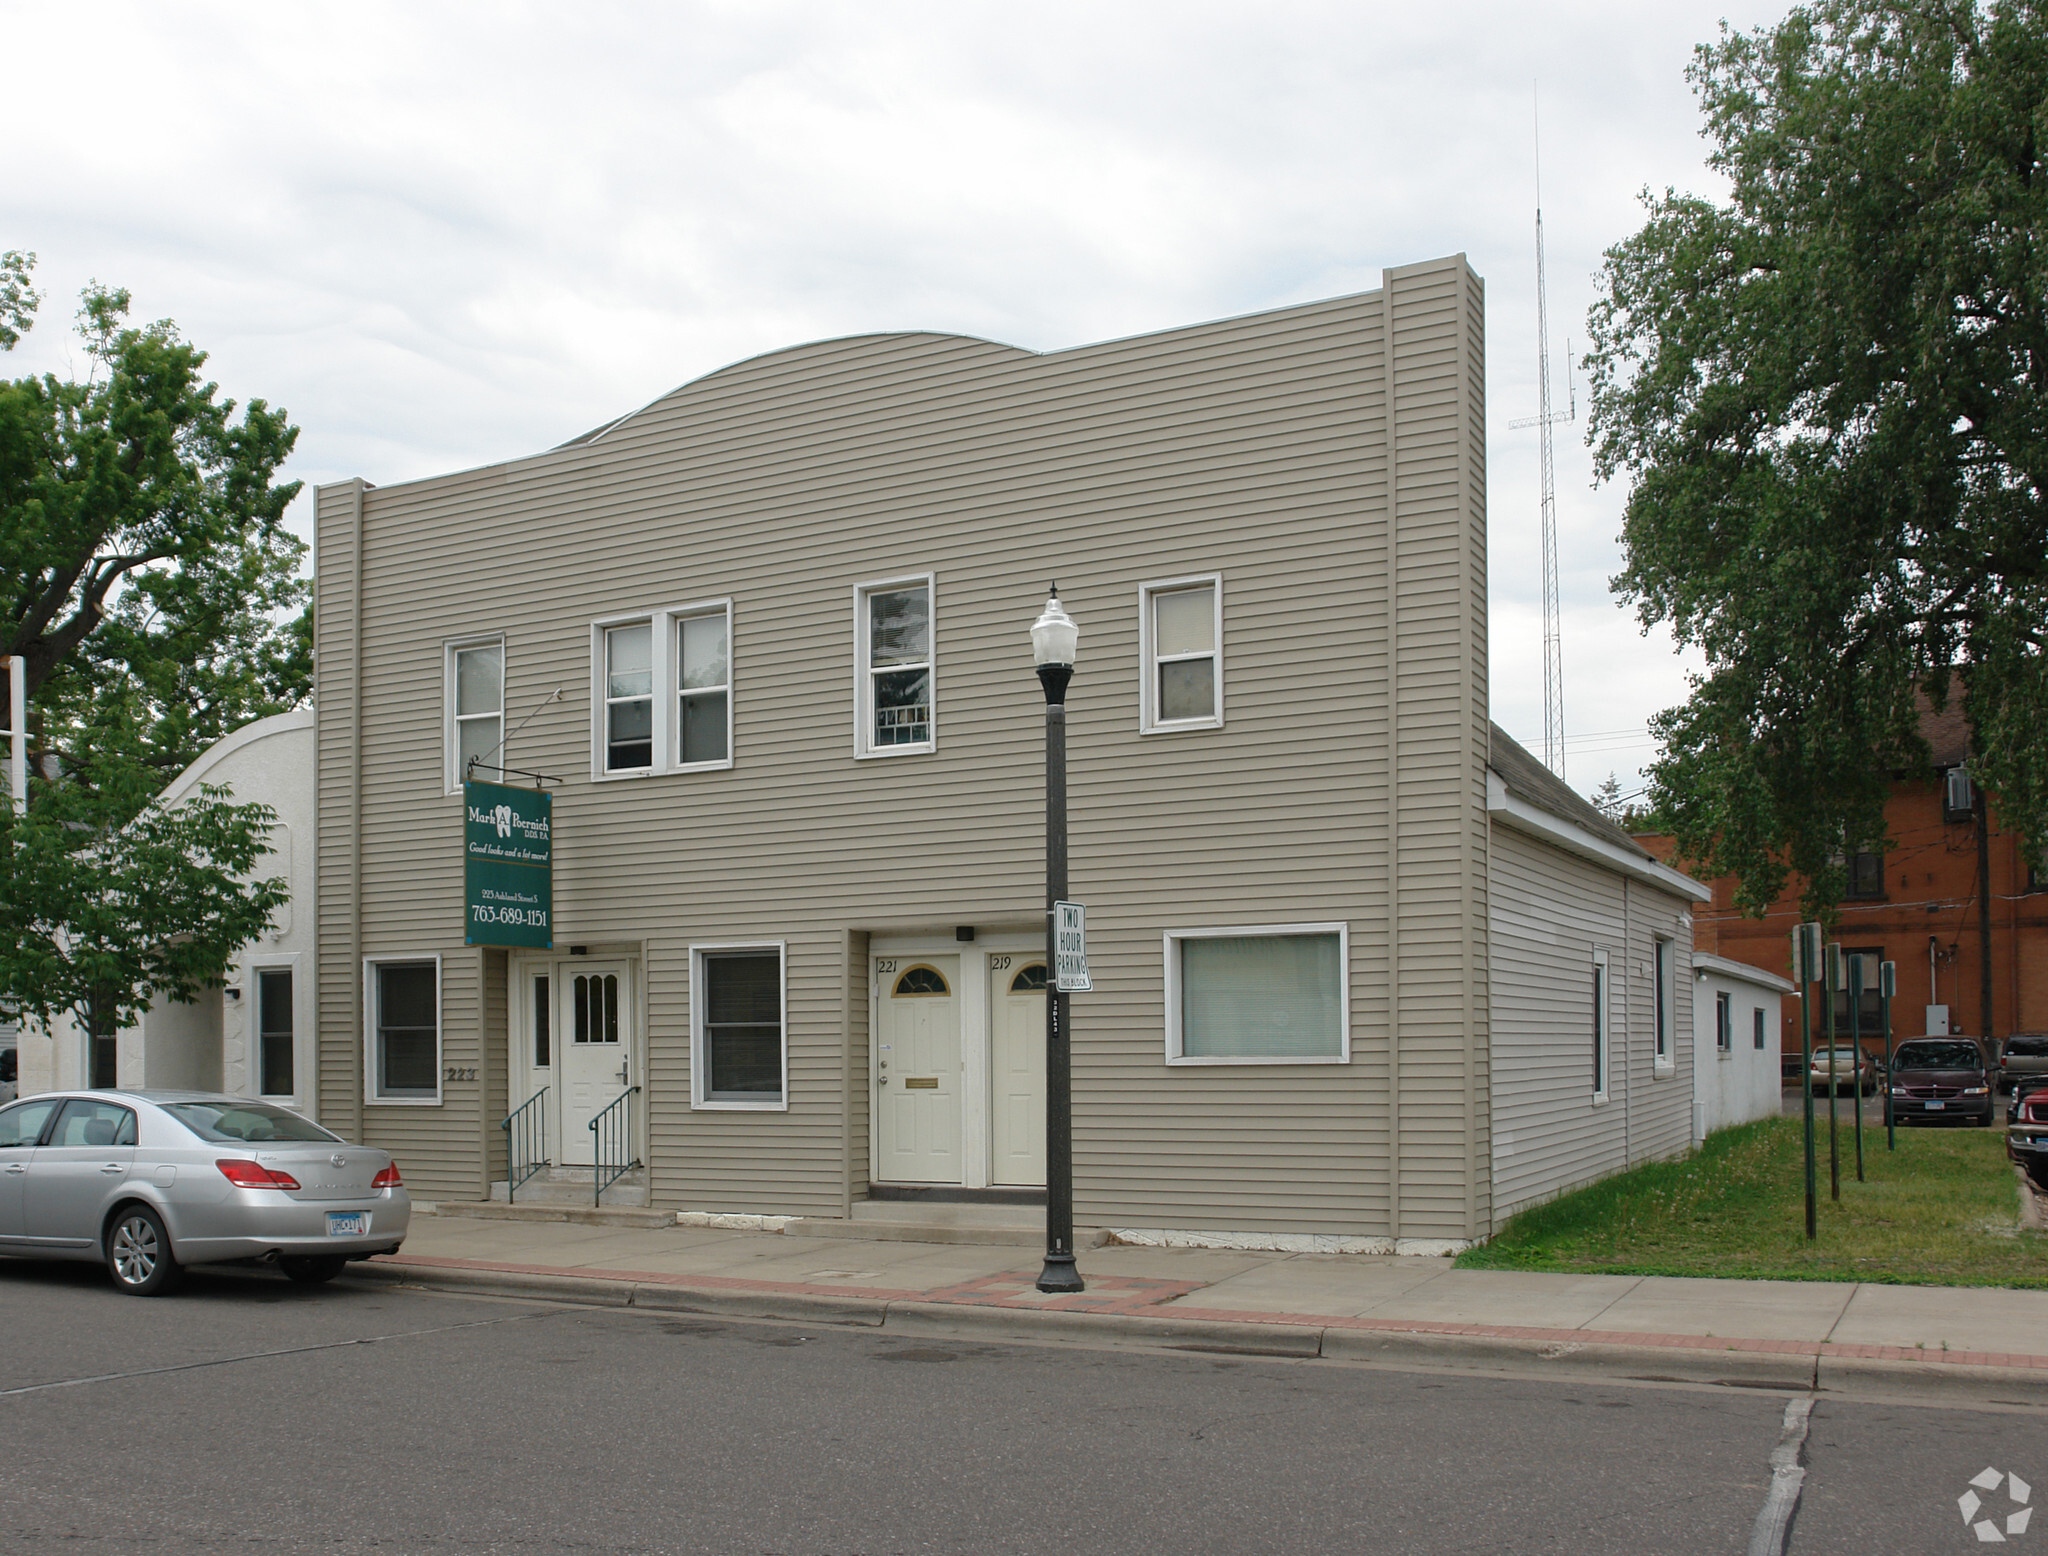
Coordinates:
[1805,968]
[1887,986]
[1834,982]
[1856,1029]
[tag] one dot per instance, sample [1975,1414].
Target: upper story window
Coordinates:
[1958,795]
[1181,642]
[1865,872]
[662,687]
[894,629]
[475,674]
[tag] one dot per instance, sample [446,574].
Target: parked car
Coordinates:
[150,1181]
[2022,1089]
[1853,1070]
[1940,1079]
[2023,1058]
[2026,1135]
[10,1073]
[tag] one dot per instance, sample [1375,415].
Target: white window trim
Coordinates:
[863,682]
[1604,1013]
[700,1069]
[303,1010]
[451,745]
[1724,1004]
[1173,937]
[370,966]
[1664,999]
[1149,722]
[663,623]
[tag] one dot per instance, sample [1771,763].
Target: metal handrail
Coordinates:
[526,1143]
[611,1151]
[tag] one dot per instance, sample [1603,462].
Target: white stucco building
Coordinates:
[255,1036]
[1736,1019]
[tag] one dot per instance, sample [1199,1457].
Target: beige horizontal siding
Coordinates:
[1257,447]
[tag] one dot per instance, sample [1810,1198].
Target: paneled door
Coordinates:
[917,1069]
[1016,1040]
[594,1044]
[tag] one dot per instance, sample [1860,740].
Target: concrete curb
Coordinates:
[1711,1361]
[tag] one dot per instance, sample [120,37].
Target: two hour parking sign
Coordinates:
[1070,948]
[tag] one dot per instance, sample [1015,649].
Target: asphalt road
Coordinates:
[247,1415]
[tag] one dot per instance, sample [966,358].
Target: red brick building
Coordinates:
[1952,901]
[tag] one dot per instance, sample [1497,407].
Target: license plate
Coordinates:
[352,1223]
[1932,1107]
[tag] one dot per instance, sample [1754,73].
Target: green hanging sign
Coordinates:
[508,866]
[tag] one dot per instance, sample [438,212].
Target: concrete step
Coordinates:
[584,1214]
[572,1186]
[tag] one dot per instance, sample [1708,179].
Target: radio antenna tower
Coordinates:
[1543,421]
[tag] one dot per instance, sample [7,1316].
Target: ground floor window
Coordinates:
[1724,1022]
[405,1030]
[1273,994]
[1756,1029]
[274,1031]
[736,1018]
[1599,1026]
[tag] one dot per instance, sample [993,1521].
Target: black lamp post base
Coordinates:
[1060,1275]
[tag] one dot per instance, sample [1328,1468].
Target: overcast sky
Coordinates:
[443,235]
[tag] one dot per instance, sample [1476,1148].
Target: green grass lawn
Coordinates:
[1942,1210]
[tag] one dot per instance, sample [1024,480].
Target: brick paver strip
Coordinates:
[1124,1294]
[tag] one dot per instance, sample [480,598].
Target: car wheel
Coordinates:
[312,1269]
[139,1252]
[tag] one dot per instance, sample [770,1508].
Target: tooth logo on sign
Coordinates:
[1987,1530]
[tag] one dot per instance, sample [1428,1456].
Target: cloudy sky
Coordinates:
[444,234]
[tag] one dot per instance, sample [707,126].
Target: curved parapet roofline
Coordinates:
[830,343]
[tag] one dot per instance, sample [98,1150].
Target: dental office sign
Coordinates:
[508,866]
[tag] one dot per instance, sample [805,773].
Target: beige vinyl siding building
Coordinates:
[769,900]
[1590,936]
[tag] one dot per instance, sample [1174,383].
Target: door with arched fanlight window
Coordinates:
[593,1044]
[1016,1051]
[917,1070]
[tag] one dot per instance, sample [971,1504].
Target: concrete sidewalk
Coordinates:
[1970,1343]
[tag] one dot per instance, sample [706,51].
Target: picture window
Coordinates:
[1274,994]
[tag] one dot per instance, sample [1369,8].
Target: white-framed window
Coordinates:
[895,667]
[1756,1028]
[1724,1022]
[1180,633]
[1660,1003]
[402,1030]
[474,677]
[739,1048]
[1602,1025]
[661,691]
[1259,994]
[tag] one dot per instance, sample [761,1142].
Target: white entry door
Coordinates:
[1016,1042]
[595,1046]
[917,1069]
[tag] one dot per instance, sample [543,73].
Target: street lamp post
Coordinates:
[1806,958]
[1054,642]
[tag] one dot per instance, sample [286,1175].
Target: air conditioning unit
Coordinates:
[1958,795]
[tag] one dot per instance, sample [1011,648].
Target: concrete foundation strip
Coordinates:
[1804,1365]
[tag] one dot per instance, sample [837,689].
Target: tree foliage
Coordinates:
[146,578]
[148,584]
[1829,392]
[100,921]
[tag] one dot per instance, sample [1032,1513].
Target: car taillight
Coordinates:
[388,1179]
[254,1175]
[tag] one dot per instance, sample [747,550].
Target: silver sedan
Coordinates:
[149,1181]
